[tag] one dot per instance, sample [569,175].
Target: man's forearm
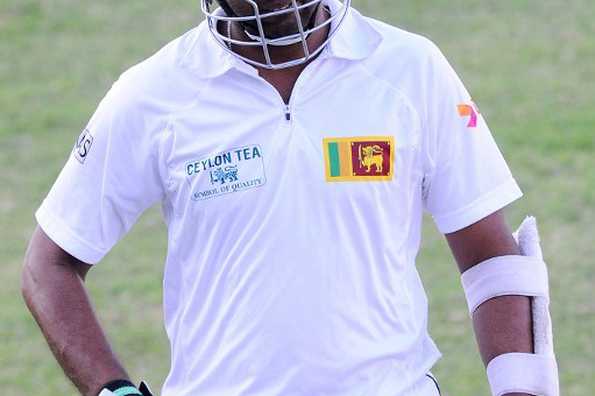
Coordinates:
[503,325]
[55,294]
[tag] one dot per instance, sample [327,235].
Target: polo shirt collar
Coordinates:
[355,40]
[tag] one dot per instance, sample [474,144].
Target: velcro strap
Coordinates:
[524,373]
[505,275]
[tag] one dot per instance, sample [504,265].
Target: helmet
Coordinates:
[253,27]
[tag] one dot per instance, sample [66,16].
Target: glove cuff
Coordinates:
[120,387]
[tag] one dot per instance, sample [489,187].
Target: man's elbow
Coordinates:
[46,262]
[39,266]
[29,278]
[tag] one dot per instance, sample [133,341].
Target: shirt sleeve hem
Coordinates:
[482,207]
[66,238]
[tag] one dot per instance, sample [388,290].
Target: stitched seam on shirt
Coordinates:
[404,97]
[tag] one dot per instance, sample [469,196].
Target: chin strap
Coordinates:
[278,43]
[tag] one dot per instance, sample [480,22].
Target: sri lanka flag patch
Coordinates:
[359,158]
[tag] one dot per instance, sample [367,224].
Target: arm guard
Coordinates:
[524,275]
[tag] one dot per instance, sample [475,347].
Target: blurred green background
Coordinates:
[530,65]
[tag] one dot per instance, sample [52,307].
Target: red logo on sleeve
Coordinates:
[469,110]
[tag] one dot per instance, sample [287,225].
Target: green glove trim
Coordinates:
[127,391]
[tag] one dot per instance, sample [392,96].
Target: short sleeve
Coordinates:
[110,178]
[466,177]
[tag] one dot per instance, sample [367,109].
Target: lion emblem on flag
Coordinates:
[371,156]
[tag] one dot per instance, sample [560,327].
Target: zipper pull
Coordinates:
[287,113]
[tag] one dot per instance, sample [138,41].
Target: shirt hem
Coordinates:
[482,207]
[65,237]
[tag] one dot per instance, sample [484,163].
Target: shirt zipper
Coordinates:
[287,108]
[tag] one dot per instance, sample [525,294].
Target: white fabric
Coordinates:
[505,275]
[106,392]
[286,284]
[523,373]
[424,387]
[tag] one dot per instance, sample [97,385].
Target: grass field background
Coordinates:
[530,65]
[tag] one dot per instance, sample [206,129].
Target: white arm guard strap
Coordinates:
[523,373]
[521,276]
[504,276]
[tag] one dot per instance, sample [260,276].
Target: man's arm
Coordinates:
[53,288]
[502,324]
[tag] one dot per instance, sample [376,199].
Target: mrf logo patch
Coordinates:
[359,158]
[83,146]
[228,172]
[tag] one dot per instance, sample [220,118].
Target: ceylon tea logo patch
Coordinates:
[228,172]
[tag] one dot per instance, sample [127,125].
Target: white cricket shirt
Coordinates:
[292,230]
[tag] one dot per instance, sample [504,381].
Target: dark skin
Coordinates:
[54,290]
